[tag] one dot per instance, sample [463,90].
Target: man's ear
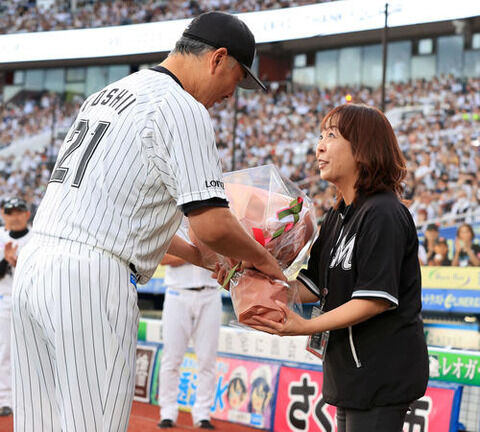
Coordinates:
[218,57]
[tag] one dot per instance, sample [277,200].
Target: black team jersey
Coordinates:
[370,249]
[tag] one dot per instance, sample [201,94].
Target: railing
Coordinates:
[471,216]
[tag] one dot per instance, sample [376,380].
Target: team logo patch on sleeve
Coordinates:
[214,184]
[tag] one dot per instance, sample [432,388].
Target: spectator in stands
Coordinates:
[440,253]
[467,253]
[431,236]
[422,255]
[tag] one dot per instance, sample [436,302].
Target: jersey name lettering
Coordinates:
[343,254]
[118,99]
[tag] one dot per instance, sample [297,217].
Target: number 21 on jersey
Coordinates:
[78,136]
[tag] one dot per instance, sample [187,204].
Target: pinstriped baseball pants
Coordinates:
[75,321]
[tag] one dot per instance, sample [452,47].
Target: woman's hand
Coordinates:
[459,245]
[293,324]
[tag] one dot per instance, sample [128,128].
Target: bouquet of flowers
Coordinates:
[280,217]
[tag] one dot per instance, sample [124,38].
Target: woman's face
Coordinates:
[335,158]
[465,234]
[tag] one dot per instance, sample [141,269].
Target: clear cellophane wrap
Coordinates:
[279,216]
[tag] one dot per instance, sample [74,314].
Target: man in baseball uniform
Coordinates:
[140,155]
[192,309]
[13,236]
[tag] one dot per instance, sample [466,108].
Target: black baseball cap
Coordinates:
[14,204]
[432,227]
[223,30]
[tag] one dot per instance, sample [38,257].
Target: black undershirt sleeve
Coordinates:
[4,266]
[211,202]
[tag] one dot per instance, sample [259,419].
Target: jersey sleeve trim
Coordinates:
[375,294]
[203,195]
[312,287]
[195,205]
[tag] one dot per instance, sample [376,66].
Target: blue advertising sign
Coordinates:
[455,300]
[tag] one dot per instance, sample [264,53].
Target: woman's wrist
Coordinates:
[315,325]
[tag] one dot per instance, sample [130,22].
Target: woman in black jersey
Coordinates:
[364,270]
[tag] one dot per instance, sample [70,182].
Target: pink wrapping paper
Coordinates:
[254,293]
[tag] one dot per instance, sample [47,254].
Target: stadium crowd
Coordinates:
[24,16]
[437,123]
[26,174]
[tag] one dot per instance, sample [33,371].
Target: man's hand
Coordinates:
[221,231]
[269,266]
[220,274]
[10,252]
[188,253]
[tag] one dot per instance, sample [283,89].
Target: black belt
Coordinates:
[199,288]
[132,267]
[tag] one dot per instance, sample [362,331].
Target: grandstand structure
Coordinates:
[313,55]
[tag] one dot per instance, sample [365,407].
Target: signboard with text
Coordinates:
[455,366]
[447,300]
[145,361]
[462,278]
[451,289]
[244,389]
[300,406]
[245,392]
[187,386]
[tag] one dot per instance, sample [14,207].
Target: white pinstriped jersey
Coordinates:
[138,150]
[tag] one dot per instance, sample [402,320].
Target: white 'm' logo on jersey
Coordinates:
[343,254]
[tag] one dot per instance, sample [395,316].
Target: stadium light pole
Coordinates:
[384,57]
[234,139]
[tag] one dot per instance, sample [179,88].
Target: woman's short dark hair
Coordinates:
[375,148]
